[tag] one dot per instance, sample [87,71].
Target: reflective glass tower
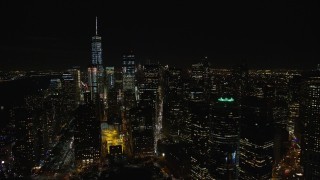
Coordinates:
[96,49]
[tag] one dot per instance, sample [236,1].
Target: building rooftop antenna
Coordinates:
[96,26]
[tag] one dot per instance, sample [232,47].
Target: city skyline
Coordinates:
[57,35]
[159,91]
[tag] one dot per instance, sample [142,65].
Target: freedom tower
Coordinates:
[98,89]
[97,49]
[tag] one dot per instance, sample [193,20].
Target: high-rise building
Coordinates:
[280,117]
[128,70]
[87,135]
[173,109]
[75,71]
[240,74]
[257,136]
[149,84]
[294,87]
[110,77]
[96,48]
[149,91]
[310,117]
[23,149]
[198,71]
[225,139]
[142,129]
[198,133]
[69,91]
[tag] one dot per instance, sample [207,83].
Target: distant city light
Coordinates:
[163,154]
[226,99]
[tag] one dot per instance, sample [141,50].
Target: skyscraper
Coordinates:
[87,135]
[75,71]
[142,120]
[173,109]
[198,127]
[69,90]
[128,70]
[23,150]
[310,116]
[225,137]
[149,83]
[256,143]
[96,49]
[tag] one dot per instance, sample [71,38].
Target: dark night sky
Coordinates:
[53,34]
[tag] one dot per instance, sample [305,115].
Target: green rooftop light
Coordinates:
[226,99]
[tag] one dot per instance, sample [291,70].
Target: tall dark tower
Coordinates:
[225,137]
[310,117]
[87,137]
[256,139]
[199,118]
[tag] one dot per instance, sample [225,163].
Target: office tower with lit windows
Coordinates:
[197,71]
[69,91]
[23,149]
[149,83]
[280,116]
[225,139]
[256,139]
[76,74]
[173,103]
[128,70]
[150,86]
[294,87]
[200,72]
[149,95]
[199,131]
[195,95]
[142,120]
[87,135]
[310,117]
